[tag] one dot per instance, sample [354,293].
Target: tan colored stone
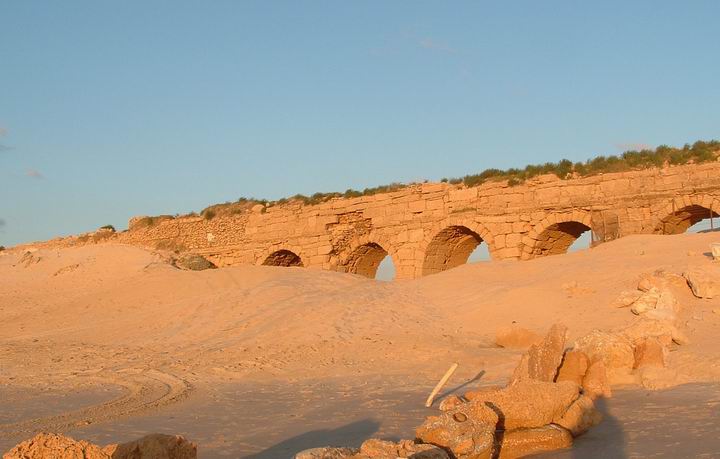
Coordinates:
[327,453]
[614,350]
[595,383]
[573,368]
[580,416]
[524,442]
[515,337]
[382,449]
[156,446]
[527,404]
[467,434]
[649,352]
[55,446]
[543,359]
[450,402]
[705,283]
[627,298]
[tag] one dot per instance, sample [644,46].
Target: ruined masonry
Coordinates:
[431,227]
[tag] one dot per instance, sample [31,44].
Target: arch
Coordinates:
[555,234]
[683,212]
[449,248]
[283,257]
[365,255]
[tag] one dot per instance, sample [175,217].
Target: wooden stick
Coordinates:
[429,401]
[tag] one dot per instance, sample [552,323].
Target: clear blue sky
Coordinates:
[114,109]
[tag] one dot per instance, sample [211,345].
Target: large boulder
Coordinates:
[705,283]
[55,446]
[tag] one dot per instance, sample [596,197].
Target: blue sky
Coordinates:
[115,109]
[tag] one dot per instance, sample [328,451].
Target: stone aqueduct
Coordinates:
[431,227]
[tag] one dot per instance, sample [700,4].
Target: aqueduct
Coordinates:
[431,227]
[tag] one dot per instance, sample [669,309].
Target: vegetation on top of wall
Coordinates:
[697,153]
[108,228]
[144,222]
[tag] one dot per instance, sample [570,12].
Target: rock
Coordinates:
[646,302]
[580,416]
[573,368]
[595,382]
[649,352]
[524,442]
[667,302]
[529,403]
[662,315]
[54,446]
[705,283]
[450,402]
[482,392]
[381,449]
[543,359]
[467,432]
[627,298]
[193,262]
[614,350]
[327,453]
[515,337]
[643,328]
[155,446]
[715,251]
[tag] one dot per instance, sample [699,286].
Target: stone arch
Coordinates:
[280,256]
[555,234]
[684,211]
[449,247]
[365,255]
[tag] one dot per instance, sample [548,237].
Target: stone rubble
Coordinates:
[55,446]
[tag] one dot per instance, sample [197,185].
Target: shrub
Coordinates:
[108,227]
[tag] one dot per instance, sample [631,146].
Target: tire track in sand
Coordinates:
[146,390]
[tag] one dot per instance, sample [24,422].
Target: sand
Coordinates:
[109,342]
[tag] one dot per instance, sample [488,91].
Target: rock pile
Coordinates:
[154,446]
[548,401]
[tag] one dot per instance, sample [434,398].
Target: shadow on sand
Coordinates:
[348,435]
[606,440]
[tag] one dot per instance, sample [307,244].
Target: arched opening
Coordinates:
[583,242]
[692,218]
[386,269]
[283,258]
[559,237]
[366,259]
[452,247]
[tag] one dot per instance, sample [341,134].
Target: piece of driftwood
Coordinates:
[443,381]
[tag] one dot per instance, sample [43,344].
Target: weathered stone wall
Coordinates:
[428,228]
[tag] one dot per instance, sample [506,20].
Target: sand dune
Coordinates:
[109,315]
